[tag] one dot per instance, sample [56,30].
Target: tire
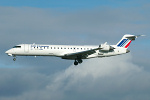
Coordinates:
[80,61]
[14,59]
[75,63]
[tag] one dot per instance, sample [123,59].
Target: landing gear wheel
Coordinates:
[75,63]
[14,59]
[80,61]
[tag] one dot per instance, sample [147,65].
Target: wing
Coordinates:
[82,54]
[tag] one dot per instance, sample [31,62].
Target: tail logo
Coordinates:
[124,43]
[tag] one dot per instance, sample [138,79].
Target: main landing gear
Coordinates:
[77,61]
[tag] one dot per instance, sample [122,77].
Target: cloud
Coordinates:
[51,26]
[104,78]
[112,78]
[29,25]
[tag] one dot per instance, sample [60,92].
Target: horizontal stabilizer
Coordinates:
[133,37]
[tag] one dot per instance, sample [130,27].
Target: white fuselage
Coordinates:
[73,52]
[61,50]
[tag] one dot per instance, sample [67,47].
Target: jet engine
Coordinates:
[105,47]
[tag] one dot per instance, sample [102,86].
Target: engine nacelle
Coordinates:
[105,47]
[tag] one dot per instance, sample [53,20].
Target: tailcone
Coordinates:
[127,51]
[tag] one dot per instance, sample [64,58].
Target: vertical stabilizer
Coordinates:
[126,40]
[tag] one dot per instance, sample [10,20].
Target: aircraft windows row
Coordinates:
[71,48]
[41,47]
[57,48]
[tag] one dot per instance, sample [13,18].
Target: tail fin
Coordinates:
[126,40]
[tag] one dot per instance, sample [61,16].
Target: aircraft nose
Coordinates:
[7,51]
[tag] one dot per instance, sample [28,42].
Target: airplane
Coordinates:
[73,52]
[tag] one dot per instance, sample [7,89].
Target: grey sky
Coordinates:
[124,77]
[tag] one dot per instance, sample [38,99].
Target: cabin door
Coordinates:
[26,48]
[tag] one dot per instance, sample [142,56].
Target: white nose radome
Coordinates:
[8,52]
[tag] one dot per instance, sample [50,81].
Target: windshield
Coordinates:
[17,47]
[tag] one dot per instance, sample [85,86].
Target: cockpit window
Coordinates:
[17,47]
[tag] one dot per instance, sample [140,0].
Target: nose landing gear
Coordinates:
[14,59]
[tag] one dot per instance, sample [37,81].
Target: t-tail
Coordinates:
[126,40]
